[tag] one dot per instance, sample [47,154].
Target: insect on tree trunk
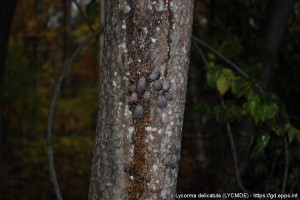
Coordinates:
[143,85]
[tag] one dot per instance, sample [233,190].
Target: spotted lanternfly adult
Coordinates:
[154,76]
[132,88]
[166,84]
[133,98]
[147,96]
[141,85]
[170,161]
[138,112]
[157,85]
[169,96]
[161,101]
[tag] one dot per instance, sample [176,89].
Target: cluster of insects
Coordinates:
[147,88]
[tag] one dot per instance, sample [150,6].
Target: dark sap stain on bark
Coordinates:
[170,20]
[141,24]
[137,170]
[138,42]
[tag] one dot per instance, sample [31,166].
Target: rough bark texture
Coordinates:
[136,152]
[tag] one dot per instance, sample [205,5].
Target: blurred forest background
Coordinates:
[251,102]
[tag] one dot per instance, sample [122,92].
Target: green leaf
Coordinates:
[264,141]
[224,81]
[211,56]
[241,87]
[277,129]
[226,112]
[223,85]
[262,111]
[222,113]
[261,143]
[293,132]
[212,75]
[270,111]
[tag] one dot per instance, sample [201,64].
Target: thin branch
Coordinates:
[235,160]
[234,155]
[85,18]
[237,68]
[286,167]
[271,173]
[52,108]
[201,54]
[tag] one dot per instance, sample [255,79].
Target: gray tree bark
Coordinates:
[138,135]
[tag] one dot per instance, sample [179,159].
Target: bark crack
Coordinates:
[169,39]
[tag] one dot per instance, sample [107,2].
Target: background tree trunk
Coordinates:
[278,13]
[136,153]
[7,8]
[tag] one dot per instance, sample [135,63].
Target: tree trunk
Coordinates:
[278,13]
[138,136]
